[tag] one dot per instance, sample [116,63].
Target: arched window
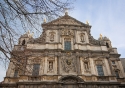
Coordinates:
[23,42]
[107,45]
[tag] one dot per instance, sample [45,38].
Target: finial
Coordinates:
[100,36]
[31,35]
[28,32]
[44,20]
[66,11]
[87,22]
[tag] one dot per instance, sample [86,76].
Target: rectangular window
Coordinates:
[16,73]
[117,74]
[35,69]
[67,45]
[100,70]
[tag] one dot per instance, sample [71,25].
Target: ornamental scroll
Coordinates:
[67,32]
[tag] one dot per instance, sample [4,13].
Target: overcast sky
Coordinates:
[105,16]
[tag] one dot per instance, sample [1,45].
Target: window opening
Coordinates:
[117,74]
[107,45]
[100,70]
[67,45]
[16,73]
[23,42]
[36,69]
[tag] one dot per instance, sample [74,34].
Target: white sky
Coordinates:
[105,16]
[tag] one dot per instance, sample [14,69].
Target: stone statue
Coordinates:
[82,36]
[50,67]
[52,35]
[86,66]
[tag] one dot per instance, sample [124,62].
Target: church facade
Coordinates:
[64,56]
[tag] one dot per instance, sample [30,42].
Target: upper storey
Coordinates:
[65,33]
[66,20]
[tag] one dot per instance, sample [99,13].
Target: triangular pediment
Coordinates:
[66,20]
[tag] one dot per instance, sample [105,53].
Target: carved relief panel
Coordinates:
[86,64]
[81,37]
[68,64]
[67,31]
[51,36]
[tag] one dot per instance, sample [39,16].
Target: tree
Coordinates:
[21,15]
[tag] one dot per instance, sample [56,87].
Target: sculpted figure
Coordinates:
[52,34]
[50,66]
[86,65]
[82,35]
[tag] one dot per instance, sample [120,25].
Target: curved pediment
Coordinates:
[70,79]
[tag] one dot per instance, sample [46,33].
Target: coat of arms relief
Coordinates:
[68,64]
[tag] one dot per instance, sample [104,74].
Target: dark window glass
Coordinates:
[67,45]
[23,42]
[113,62]
[107,45]
[100,70]
[16,73]
[117,74]
[36,69]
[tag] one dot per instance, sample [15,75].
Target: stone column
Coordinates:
[78,65]
[45,68]
[92,65]
[109,61]
[121,69]
[108,72]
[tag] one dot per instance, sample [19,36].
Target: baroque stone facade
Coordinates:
[64,56]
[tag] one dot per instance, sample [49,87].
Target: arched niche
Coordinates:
[70,79]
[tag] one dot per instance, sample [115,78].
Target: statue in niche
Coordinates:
[52,35]
[82,36]
[50,67]
[86,66]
